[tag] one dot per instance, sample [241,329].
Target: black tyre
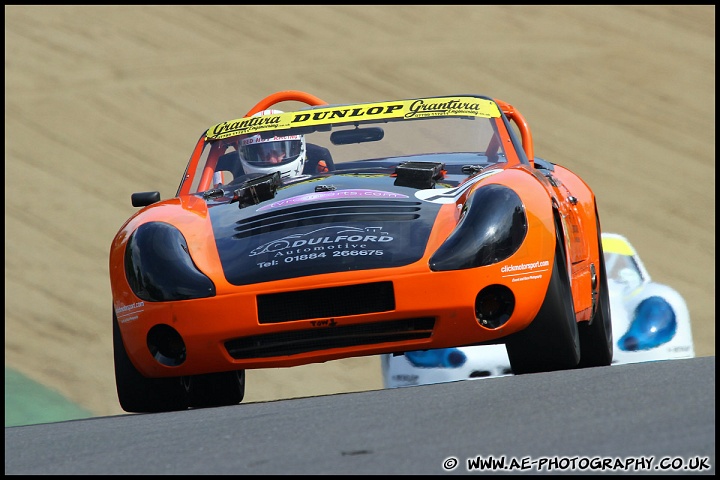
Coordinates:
[217,389]
[551,342]
[596,336]
[139,394]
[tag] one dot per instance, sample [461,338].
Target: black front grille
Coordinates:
[329,336]
[326,302]
[339,212]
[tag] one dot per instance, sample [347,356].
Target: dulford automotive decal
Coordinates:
[451,195]
[331,195]
[336,241]
[419,108]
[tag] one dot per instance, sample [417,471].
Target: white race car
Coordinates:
[650,322]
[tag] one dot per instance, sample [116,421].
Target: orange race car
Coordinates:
[336,231]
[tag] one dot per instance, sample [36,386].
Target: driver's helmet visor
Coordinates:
[260,152]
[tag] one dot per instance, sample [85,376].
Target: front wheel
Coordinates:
[139,394]
[551,342]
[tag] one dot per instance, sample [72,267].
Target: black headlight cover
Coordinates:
[159,268]
[492,228]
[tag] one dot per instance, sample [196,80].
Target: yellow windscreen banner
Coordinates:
[409,109]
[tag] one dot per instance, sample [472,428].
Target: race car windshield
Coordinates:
[268,152]
[473,140]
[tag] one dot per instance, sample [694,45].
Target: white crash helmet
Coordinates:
[284,154]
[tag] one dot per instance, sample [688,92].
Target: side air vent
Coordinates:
[328,212]
[301,341]
[326,302]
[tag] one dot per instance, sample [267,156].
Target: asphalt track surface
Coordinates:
[643,418]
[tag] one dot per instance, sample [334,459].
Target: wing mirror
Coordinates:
[143,199]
